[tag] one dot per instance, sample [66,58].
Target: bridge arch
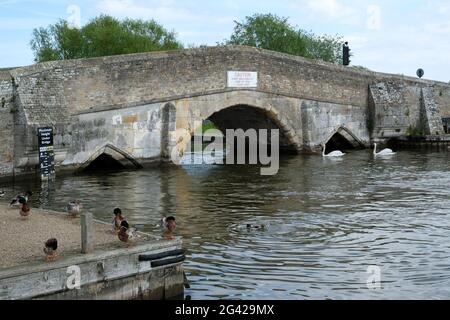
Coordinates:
[342,138]
[244,114]
[109,156]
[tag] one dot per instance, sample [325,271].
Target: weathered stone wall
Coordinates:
[309,100]
[75,86]
[442,97]
[136,131]
[398,107]
[7,109]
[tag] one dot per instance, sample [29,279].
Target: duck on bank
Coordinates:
[16,202]
[74,208]
[50,249]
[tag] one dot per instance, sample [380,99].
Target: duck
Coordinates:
[168,223]
[16,201]
[2,193]
[74,208]
[25,210]
[117,220]
[126,234]
[384,152]
[50,249]
[336,153]
[256,226]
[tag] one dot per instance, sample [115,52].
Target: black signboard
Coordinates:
[46,152]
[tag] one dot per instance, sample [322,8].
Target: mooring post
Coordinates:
[87,241]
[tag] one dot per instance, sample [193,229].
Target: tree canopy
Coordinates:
[103,35]
[271,32]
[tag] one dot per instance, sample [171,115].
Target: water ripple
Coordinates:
[325,223]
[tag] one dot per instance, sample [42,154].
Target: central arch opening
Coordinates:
[249,119]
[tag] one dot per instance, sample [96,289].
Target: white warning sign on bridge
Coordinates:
[242,79]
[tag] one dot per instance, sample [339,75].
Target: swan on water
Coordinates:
[333,153]
[384,152]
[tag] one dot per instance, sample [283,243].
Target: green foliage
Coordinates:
[207,125]
[271,32]
[103,35]
[414,131]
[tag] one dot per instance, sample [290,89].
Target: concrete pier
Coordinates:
[149,269]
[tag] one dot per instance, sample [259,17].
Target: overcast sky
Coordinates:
[394,36]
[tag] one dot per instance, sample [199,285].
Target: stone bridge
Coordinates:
[134,109]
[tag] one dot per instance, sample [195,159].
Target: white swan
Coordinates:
[384,152]
[332,154]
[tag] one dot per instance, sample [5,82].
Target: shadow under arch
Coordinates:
[107,157]
[343,139]
[246,116]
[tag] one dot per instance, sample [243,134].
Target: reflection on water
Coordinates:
[327,221]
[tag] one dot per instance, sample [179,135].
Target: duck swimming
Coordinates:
[256,226]
[74,208]
[168,223]
[2,193]
[51,245]
[16,201]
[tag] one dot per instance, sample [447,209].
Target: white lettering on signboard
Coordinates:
[116,120]
[242,79]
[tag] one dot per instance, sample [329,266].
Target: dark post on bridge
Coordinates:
[346,54]
[46,152]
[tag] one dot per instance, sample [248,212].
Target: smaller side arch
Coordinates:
[349,137]
[123,158]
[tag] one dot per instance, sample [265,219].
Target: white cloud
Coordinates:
[444,8]
[328,7]
[438,28]
[404,49]
[330,10]
[165,10]
[23,23]
[357,40]
[374,17]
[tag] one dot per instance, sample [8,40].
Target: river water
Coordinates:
[327,221]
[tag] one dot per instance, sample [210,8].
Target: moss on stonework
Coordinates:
[414,131]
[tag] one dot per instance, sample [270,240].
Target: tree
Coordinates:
[271,32]
[103,35]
